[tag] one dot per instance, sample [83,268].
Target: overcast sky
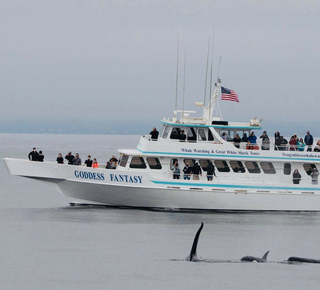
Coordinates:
[117,59]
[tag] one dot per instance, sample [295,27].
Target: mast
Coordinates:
[177,73]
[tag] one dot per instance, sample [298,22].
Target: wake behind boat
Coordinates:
[226,171]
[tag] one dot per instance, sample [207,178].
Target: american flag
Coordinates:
[229,95]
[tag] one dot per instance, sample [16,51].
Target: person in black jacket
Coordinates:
[70,158]
[187,170]
[154,134]
[296,176]
[40,156]
[33,155]
[196,171]
[210,171]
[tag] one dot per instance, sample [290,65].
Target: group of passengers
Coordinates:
[313,173]
[35,156]
[74,160]
[280,142]
[194,170]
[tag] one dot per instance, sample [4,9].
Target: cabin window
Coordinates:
[222,166]
[308,167]
[165,132]
[252,167]
[154,163]
[175,133]
[138,162]
[287,169]
[190,161]
[210,136]
[123,160]
[202,135]
[237,166]
[191,135]
[173,161]
[268,168]
[204,163]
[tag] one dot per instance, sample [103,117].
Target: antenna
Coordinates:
[176,103]
[219,69]
[205,84]
[184,80]
[210,114]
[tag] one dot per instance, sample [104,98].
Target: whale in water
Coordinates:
[303,260]
[193,253]
[255,259]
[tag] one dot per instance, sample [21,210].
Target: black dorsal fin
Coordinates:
[265,256]
[195,243]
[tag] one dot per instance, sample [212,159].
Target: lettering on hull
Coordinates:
[125,178]
[89,175]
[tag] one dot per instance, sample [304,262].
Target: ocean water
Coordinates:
[47,244]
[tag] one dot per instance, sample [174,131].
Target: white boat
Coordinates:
[247,177]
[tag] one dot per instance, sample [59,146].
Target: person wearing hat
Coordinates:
[182,136]
[196,171]
[33,155]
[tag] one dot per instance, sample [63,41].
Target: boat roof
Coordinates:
[222,125]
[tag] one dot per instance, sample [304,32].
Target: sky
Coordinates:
[103,60]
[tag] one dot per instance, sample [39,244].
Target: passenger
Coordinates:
[40,156]
[308,140]
[296,177]
[293,143]
[154,134]
[300,145]
[265,141]
[182,136]
[88,162]
[210,171]
[244,138]
[33,155]
[70,158]
[314,176]
[283,144]
[277,140]
[113,161]
[176,171]
[252,139]
[225,136]
[237,141]
[187,172]
[317,147]
[196,171]
[95,163]
[76,160]
[108,165]
[60,159]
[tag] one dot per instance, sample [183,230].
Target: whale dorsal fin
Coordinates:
[193,252]
[265,256]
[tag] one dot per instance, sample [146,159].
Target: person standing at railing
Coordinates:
[176,171]
[300,145]
[265,141]
[237,141]
[196,171]
[314,176]
[252,139]
[187,172]
[308,140]
[154,134]
[95,163]
[210,171]
[293,143]
[296,176]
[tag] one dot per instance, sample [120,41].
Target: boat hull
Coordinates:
[106,188]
